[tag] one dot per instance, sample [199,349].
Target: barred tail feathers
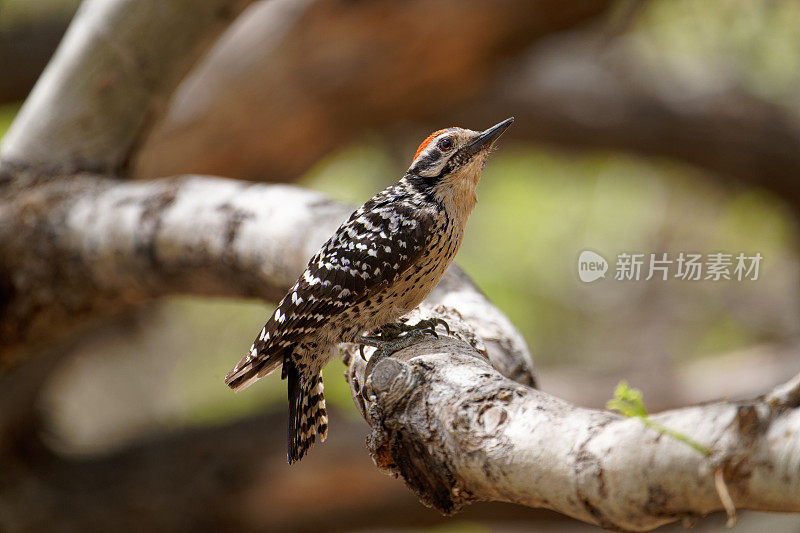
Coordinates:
[308,418]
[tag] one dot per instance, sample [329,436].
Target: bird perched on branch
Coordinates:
[379,265]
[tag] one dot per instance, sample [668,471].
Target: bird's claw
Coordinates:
[429,325]
[386,348]
[394,330]
[396,336]
[366,340]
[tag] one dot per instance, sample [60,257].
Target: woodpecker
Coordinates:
[379,265]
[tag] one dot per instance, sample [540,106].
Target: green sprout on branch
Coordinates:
[629,403]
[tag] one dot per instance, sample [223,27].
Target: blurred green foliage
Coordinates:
[7,113]
[753,45]
[15,13]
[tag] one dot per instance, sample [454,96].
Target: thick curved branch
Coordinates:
[104,245]
[458,431]
[110,79]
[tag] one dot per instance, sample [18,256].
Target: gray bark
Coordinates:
[459,431]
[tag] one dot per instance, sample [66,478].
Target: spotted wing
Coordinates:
[367,253]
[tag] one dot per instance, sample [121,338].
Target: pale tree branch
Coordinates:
[103,244]
[458,431]
[110,79]
[487,436]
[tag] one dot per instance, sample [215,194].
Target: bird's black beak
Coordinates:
[488,137]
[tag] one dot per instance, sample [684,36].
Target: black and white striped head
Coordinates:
[448,164]
[452,150]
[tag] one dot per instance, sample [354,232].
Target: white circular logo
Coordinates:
[591,266]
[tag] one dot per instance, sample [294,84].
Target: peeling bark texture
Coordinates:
[110,78]
[458,431]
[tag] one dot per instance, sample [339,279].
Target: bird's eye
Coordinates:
[445,144]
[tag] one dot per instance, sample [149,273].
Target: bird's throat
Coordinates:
[457,192]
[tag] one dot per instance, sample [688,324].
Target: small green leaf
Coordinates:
[629,402]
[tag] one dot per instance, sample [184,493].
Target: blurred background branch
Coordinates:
[321,97]
[580,92]
[111,77]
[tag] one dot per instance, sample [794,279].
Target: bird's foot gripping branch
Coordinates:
[399,386]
